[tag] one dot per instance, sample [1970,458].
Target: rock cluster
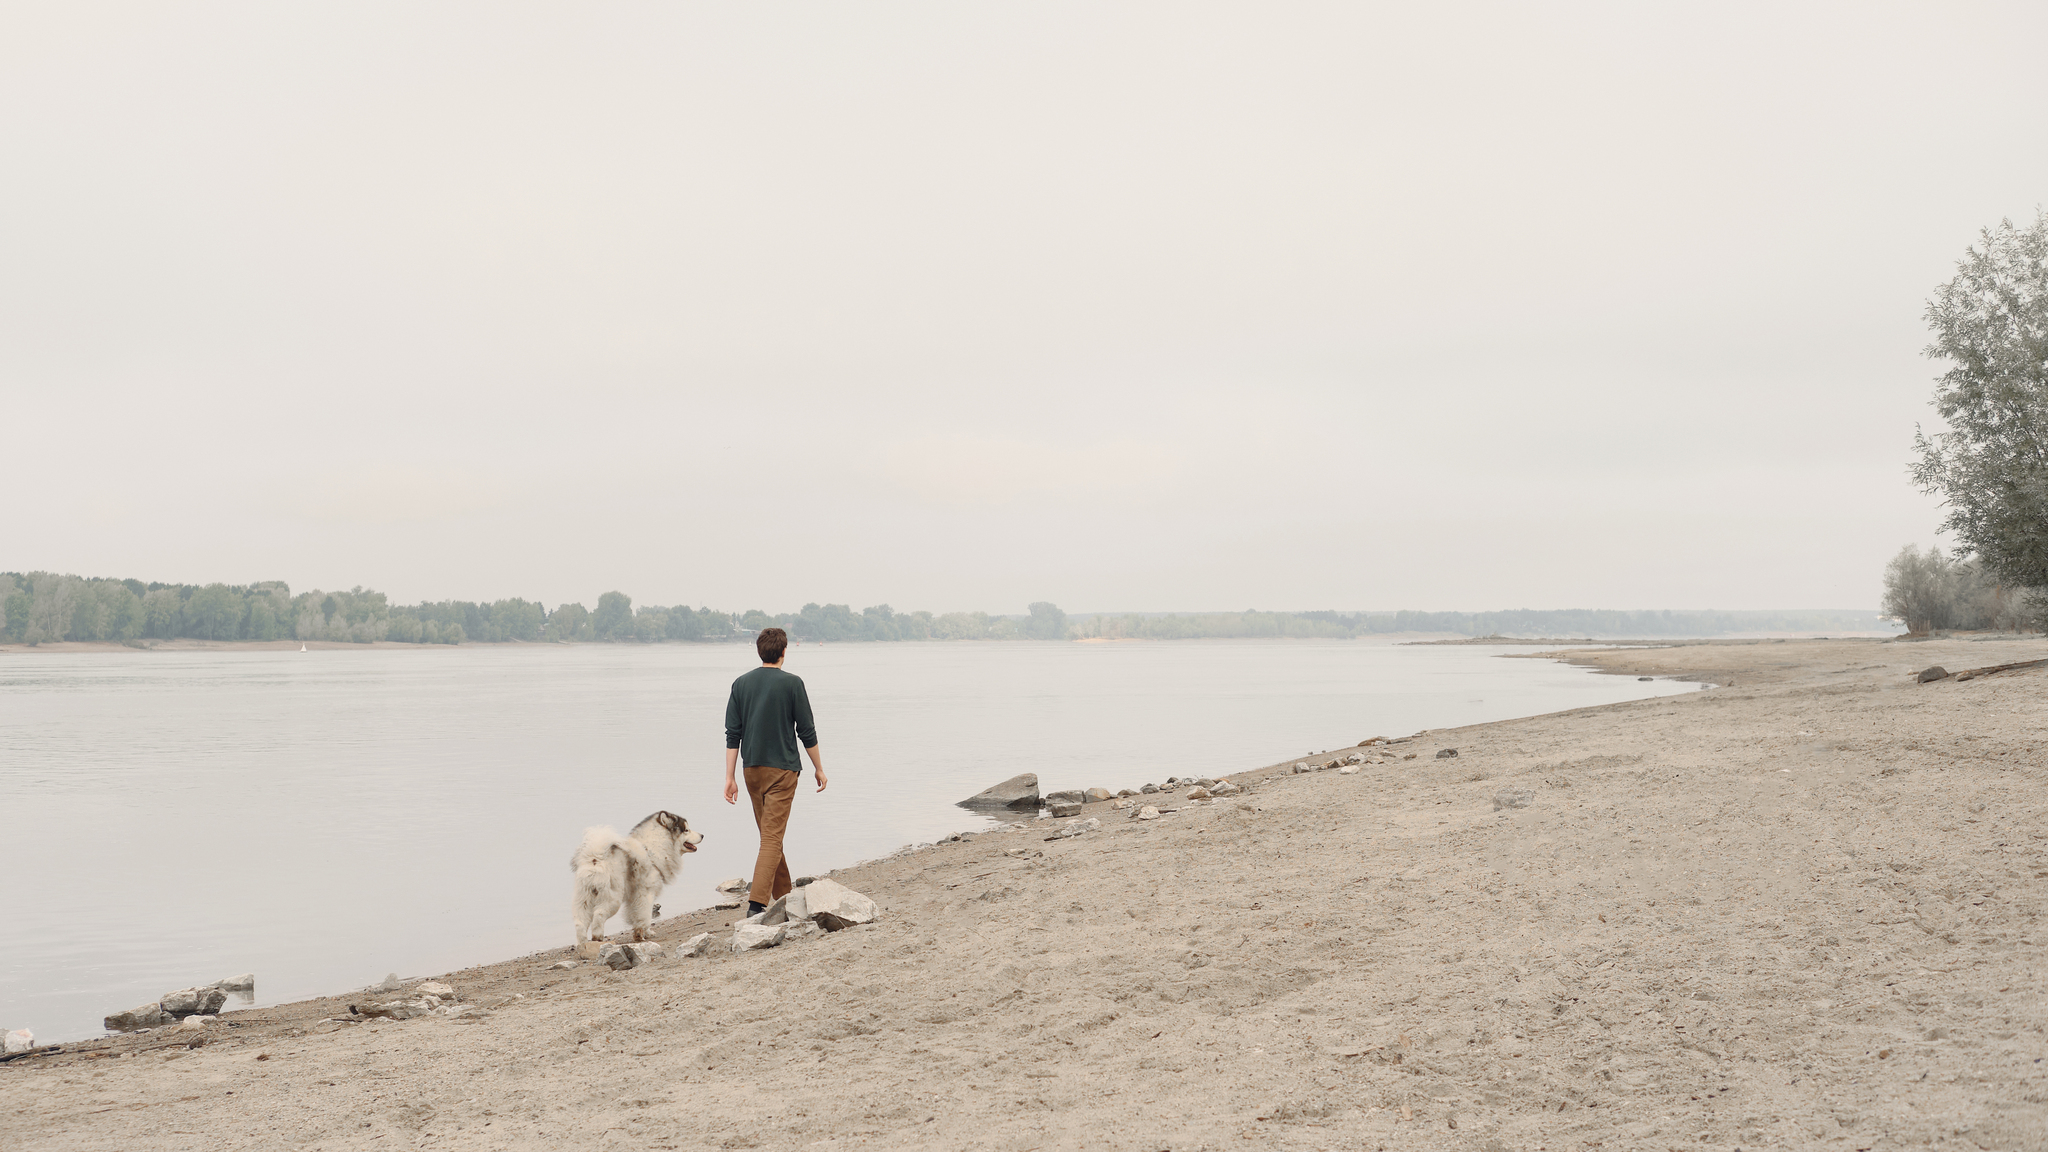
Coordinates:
[428,997]
[821,905]
[171,1007]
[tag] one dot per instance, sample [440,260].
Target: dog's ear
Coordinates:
[672,822]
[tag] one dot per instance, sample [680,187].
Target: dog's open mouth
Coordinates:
[689,847]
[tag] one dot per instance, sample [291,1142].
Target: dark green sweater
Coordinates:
[765,707]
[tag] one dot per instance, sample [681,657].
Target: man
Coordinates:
[767,713]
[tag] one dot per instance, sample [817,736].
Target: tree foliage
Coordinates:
[1928,591]
[1991,467]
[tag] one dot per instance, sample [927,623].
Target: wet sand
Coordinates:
[1795,911]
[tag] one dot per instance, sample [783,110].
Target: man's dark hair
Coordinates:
[770,644]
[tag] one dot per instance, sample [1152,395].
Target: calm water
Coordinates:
[324,818]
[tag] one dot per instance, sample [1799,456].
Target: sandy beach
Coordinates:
[1795,911]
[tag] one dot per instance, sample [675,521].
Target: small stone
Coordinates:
[1513,798]
[195,1023]
[19,1040]
[246,982]
[694,947]
[1929,675]
[1148,789]
[1148,812]
[835,906]
[1447,754]
[1225,788]
[1095,794]
[1122,792]
[723,904]
[1120,805]
[563,965]
[1355,758]
[750,937]
[192,1001]
[390,983]
[136,1019]
[1067,796]
[736,884]
[436,989]
[393,1009]
[1198,793]
[1064,808]
[799,929]
[1019,791]
[1299,769]
[620,957]
[1075,829]
[1347,769]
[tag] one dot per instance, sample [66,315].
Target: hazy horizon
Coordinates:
[961,308]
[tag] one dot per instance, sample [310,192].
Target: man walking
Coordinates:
[767,713]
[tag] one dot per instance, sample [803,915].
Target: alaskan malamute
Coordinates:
[630,871]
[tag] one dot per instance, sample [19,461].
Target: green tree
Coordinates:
[1046,622]
[613,619]
[569,622]
[1991,467]
[214,613]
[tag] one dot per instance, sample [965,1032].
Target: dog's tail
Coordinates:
[593,859]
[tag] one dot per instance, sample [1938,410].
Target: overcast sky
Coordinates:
[958,306]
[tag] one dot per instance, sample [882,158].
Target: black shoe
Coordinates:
[755,908]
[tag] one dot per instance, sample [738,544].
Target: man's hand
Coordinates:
[820,774]
[817,764]
[732,786]
[732,790]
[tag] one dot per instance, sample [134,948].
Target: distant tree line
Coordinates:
[41,607]
[1519,622]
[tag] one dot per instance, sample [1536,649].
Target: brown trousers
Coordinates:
[772,790]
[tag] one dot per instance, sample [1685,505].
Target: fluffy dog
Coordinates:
[614,871]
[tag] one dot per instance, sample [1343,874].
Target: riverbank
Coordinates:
[1794,911]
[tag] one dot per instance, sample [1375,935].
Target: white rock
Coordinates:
[1148,812]
[246,982]
[834,906]
[1199,794]
[736,884]
[1076,828]
[695,946]
[1347,770]
[190,1001]
[748,937]
[196,1023]
[136,1019]
[722,904]
[1300,768]
[436,989]
[19,1040]
[798,929]
[1225,788]
[620,957]
[563,965]
[390,983]
[1123,804]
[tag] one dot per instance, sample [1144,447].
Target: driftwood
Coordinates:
[1973,673]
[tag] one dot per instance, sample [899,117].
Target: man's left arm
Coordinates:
[807,731]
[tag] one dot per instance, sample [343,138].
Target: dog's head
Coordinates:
[679,829]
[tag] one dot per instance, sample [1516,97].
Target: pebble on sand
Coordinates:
[19,1040]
